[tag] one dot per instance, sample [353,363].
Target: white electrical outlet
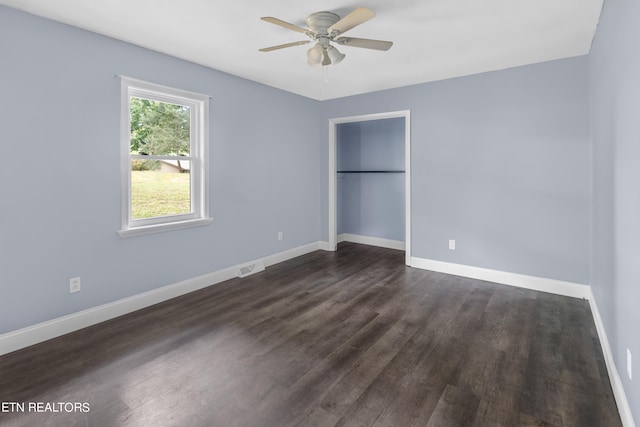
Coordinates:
[280,235]
[74,285]
[629,372]
[452,245]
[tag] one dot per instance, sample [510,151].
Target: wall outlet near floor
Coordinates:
[629,372]
[452,245]
[280,235]
[74,285]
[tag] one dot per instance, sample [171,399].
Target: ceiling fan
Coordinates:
[324,28]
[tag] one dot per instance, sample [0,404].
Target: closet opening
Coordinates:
[370,181]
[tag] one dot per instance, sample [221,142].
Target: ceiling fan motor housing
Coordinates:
[319,22]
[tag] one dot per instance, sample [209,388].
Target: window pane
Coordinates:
[160,188]
[159,128]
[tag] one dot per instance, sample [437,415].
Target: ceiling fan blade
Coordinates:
[365,43]
[355,18]
[282,46]
[283,24]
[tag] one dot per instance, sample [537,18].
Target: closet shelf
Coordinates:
[376,171]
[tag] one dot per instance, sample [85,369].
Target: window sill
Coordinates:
[159,228]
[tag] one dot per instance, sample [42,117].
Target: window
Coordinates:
[164,167]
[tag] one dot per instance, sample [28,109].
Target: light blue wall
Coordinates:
[614,67]
[500,163]
[371,204]
[60,180]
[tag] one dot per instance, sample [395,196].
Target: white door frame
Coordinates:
[333,233]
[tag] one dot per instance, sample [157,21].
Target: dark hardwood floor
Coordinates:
[352,338]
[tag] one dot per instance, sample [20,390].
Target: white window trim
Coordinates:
[199,107]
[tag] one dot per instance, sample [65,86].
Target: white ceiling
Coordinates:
[433,39]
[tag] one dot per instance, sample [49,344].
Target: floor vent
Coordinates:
[249,269]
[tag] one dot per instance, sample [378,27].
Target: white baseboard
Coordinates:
[31,335]
[292,253]
[559,287]
[324,246]
[372,241]
[614,377]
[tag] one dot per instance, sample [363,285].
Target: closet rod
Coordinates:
[380,171]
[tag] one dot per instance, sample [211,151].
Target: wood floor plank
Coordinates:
[456,407]
[352,385]
[351,338]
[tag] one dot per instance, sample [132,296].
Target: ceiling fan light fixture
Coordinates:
[335,55]
[315,56]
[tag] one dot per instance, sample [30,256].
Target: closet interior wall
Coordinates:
[371,179]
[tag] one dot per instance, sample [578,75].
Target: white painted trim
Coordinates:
[407,187]
[333,228]
[291,253]
[553,286]
[31,335]
[333,189]
[373,241]
[325,246]
[170,226]
[614,377]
